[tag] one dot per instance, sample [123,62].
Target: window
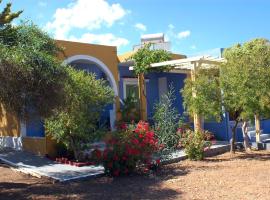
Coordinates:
[131,88]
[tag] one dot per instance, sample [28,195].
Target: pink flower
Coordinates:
[206,148]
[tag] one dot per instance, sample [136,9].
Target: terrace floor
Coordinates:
[40,166]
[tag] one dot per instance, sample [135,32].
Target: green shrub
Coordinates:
[166,121]
[31,74]
[130,109]
[75,122]
[195,144]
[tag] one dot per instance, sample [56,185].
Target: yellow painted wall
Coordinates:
[106,54]
[34,145]
[9,124]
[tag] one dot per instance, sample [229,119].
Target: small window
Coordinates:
[130,86]
[132,90]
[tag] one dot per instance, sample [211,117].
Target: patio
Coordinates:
[42,167]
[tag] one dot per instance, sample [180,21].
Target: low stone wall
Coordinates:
[11,142]
[216,149]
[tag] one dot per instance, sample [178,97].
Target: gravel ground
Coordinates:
[242,176]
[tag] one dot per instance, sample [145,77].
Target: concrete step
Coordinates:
[251,128]
[261,145]
[263,137]
[253,133]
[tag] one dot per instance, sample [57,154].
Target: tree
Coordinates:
[142,60]
[245,82]
[75,123]
[6,16]
[31,75]
[242,86]
[207,101]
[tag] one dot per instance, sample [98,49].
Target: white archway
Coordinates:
[108,73]
[100,64]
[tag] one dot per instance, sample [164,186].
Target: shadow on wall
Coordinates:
[9,123]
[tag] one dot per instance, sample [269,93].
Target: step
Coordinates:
[251,128]
[261,145]
[253,133]
[262,137]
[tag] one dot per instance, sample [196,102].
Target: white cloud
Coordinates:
[183,34]
[42,4]
[84,14]
[105,39]
[193,47]
[140,26]
[171,26]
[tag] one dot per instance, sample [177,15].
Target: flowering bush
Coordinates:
[195,144]
[127,149]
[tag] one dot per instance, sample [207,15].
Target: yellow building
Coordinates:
[31,136]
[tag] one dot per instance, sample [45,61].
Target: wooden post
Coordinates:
[117,109]
[142,97]
[197,119]
[257,127]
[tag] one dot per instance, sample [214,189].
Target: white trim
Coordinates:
[106,70]
[100,64]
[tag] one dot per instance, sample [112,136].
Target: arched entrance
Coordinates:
[94,65]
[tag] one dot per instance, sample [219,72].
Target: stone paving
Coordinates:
[41,166]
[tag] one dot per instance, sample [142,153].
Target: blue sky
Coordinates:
[192,26]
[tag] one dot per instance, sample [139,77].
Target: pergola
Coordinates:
[187,66]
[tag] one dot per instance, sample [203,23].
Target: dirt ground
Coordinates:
[241,177]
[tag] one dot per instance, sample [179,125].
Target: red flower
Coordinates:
[115,157]
[140,135]
[105,154]
[98,153]
[144,126]
[126,171]
[150,134]
[110,165]
[123,126]
[158,161]
[135,141]
[145,170]
[116,172]
[137,130]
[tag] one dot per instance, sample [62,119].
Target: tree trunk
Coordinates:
[245,136]
[258,128]
[142,97]
[233,139]
[74,148]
